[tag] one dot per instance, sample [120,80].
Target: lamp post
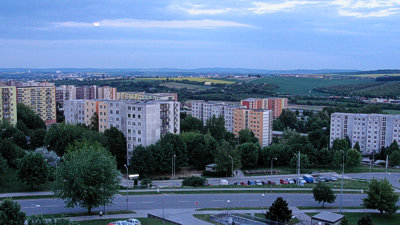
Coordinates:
[298,168]
[232,164]
[387,160]
[341,188]
[127,186]
[272,166]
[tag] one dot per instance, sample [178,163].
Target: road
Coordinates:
[186,201]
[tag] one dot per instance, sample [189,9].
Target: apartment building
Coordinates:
[204,110]
[65,93]
[147,96]
[274,104]
[8,104]
[371,131]
[142,122]
[42,100]
[259,121]
[106,93]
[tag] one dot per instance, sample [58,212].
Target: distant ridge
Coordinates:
[176,70]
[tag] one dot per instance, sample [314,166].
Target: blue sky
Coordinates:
[275,34]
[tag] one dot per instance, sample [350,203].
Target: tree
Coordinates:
[29,118]
[304,162]
[190,123]
[324,156]
[50,156]
[59,136]
[87,176]
[199,148]
[338,158]
[116,144]
[222,157]
[94,122]
[279,211]
[365,220]
[194,181]
[357,146]
[340,144]
[353,158]
[3,165]
[11,152]
[37,138]
[381,196]
[394,158]
[142,160]
[216,127]
[168,146]
[248,154]
[288,119]
[344,221]
[323,193]
[10,213]
[247,136]
[33,170]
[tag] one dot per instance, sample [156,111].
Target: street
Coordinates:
[187,201]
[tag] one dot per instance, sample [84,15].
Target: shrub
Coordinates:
[194,181]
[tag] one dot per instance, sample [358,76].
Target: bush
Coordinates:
[194,181]
[148,183]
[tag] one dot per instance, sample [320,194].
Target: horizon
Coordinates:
[278,35]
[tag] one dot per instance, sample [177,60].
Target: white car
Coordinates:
[134,222]
[290,180]
[223,182]
[258,182]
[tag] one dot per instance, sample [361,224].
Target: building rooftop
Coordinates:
[327,217]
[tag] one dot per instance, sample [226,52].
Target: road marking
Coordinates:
[147,202]
[252,200]
[184,201]
[218,200]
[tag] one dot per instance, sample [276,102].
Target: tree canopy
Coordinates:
[116,144]
[323,193]
[33,170]
[279,211]
[87,176]
[381,196]
[10,213]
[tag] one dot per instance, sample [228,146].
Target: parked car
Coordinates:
[236,183]
[258,182]
[120,223]
[271,183]
[263,182]
[308,178]
[301,180]
[134,221]
[282,181]
[321,179]
[289,180]
[223,182]
[333,178]
[243,183]
[251,182]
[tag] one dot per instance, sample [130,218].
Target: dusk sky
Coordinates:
[275,34]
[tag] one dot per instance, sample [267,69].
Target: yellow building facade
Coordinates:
[8,104]
[42,100]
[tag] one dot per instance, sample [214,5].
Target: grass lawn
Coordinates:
[301,85]
[144,221]
[9,182]
[193,79]
[377,219]
[62,215]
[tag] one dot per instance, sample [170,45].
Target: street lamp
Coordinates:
[387,159]
[232,165]
[341,189]
[298,168]
[127,186]
[272,166]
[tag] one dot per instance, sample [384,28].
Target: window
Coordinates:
[139,132]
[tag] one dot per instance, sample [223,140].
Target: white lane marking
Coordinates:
[218,200]
[184,201]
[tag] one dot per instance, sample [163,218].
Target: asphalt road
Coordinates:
[186,201]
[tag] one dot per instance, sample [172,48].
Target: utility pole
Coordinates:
[341,189]
[232,165]
[127,186]
[272,166]
[387,160]
[298,169]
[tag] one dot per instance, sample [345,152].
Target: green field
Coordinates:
[302,85]
[377,219]
[184,85]
[192,79]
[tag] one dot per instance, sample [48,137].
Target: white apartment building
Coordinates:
[371,131]
[204,110]
[142,122]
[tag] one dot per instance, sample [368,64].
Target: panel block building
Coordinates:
[142,122]
[259,121]
[8,104]
[274,104]
[204,110]
[147,96]
[42,100]
[371,131]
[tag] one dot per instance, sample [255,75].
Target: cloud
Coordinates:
[367,8]
[263,7]
[132,23]
[196,9]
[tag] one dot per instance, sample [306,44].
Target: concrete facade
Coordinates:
[8,104]
[371,131]
[274,104]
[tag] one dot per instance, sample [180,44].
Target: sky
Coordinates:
[274,34]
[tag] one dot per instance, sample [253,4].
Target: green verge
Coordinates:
[144,221]
[206,217]
[9,182]
[62,215]
[377,218]
[231,192]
